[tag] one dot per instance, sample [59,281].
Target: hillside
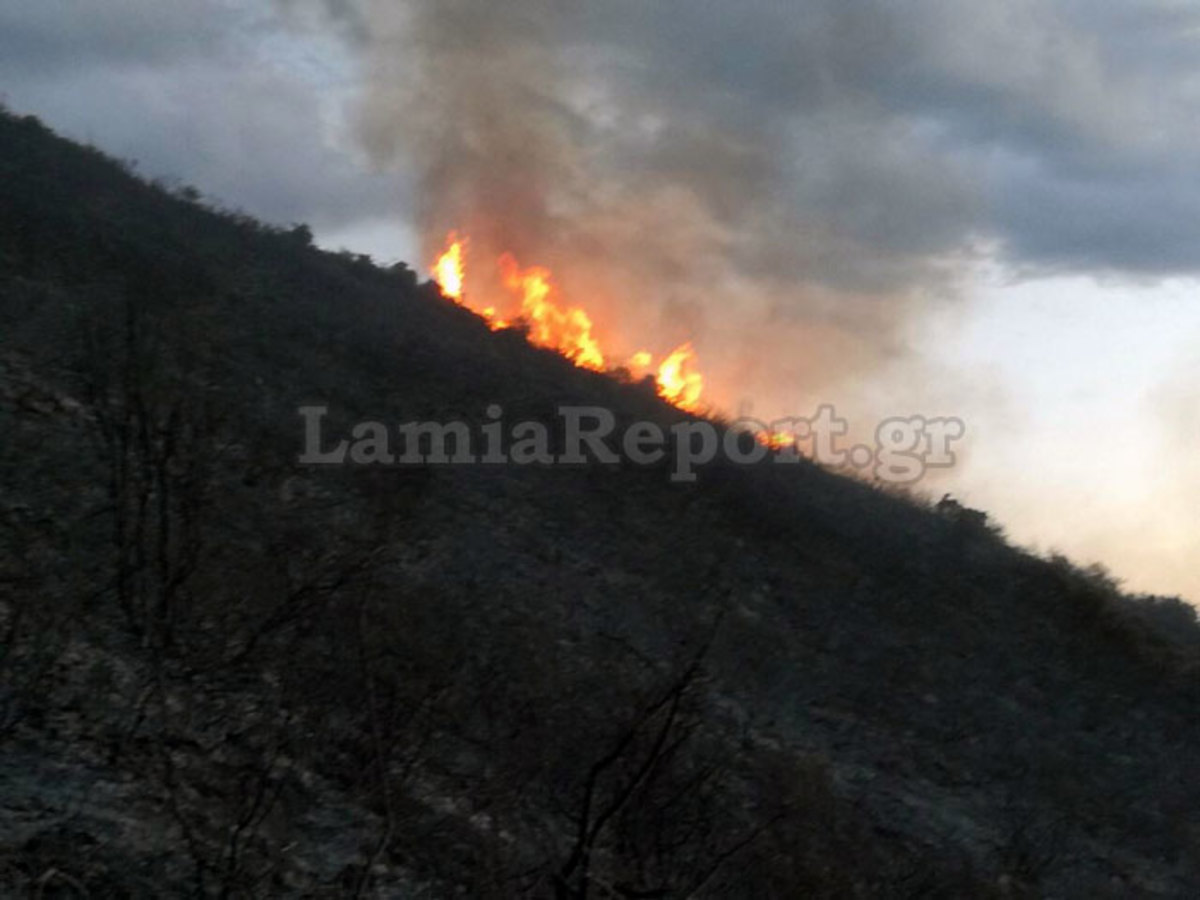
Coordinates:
[227,673]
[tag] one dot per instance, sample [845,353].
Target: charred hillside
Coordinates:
[223,672]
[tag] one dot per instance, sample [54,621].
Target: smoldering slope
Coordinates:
[801,190]
[660,166]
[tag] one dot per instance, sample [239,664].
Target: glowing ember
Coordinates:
[489,313]
[641,360]
[678,382]
[557,326]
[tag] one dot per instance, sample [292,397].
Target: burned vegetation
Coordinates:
[226,674]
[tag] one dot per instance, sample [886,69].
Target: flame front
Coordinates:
[567,329]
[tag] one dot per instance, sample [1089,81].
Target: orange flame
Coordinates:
[450,269]
[567,329]
[678,382]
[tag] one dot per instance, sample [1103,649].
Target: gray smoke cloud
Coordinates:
[789,183]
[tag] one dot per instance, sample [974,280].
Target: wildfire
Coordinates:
[450,269]
[567,329]
[778,440]
[678,382]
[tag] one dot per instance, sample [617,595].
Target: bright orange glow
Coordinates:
[493,321]
[536,304]
[777,440]
[566,329]
[678,382]
[450,269]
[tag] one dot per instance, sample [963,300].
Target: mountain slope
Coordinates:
[225,672]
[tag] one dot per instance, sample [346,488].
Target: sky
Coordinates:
[953,207]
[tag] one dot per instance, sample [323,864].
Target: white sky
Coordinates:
[1088,454]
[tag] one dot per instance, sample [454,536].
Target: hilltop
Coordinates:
[227,673]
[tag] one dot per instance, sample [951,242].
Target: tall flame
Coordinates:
[567,329]
[450,269]
[678,382]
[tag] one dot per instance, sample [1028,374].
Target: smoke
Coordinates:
[687,170]
[789,185]
[804,190]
